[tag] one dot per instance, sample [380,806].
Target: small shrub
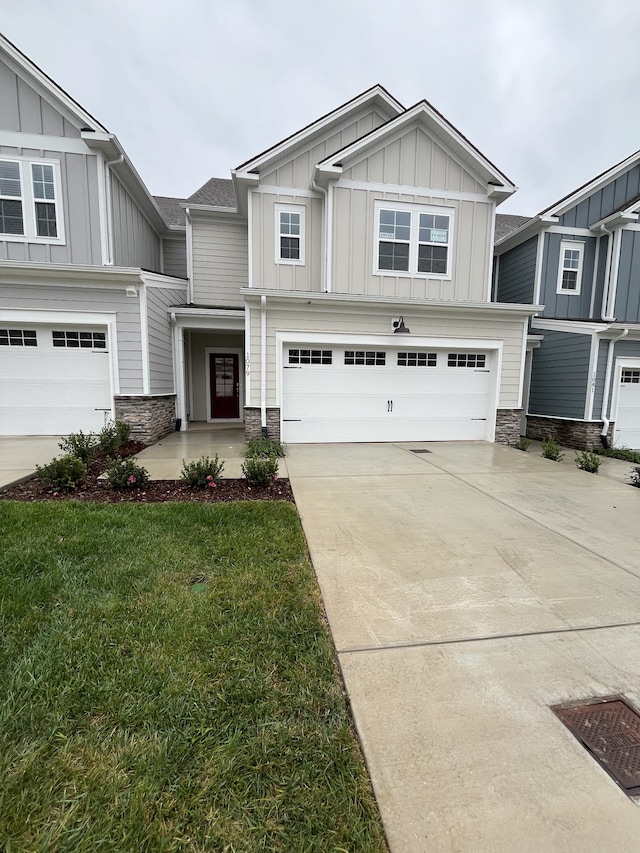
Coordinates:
[624,453]
[260,471]
[634,476]
[64,473]
[263,448]
[522,443]
[125,474]
[587,461]
[113,436]
[204,472]
[552,450]
[79,445]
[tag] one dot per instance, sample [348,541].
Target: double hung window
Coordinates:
[570,268]
[289,234]
[413,240]
[30,200]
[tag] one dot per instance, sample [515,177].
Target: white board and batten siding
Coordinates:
[220,260]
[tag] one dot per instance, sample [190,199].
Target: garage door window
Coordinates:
[417,359]
[18,338]
[364,357]
[310,356]
[631,377]
[466,359]
[75,340]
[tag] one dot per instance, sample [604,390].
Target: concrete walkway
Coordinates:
[20,454]
[469,589]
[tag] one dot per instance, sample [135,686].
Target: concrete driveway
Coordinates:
[469,589]
[19,455]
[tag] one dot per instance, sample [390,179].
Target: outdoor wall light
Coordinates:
[399,327]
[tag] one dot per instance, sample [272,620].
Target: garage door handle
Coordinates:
[478,419]
[389,405]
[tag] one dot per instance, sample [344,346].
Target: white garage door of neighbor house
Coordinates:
[53,380]
[333,394]
[627,425]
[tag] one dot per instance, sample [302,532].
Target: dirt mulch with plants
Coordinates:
[155,491]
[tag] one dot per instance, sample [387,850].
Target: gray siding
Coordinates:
[63,299]
[605,201]
[599,284]
[560,375]
[517,271]
[601,369]
[174,254]
[627,307]
[136,244]
[23,110]
[220,260]
[560,305]
[160,344]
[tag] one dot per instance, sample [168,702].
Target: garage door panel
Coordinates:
[627,425]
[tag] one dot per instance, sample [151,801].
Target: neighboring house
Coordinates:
[338,286]
[580,258]
[88,269]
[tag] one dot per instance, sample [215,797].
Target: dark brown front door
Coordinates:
[224,381]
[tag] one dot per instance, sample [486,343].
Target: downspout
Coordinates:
[107,188]
[325,237]
[606,390]
[263,366]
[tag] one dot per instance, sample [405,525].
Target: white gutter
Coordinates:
[607,382]
[325,236]
[108,194]
[263,364]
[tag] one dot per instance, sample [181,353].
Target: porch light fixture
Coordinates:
[399,327]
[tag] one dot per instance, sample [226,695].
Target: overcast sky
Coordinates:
[549,90]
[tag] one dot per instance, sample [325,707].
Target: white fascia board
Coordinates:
[620,218]
[211,208]
[523,233]
[46,87]
[208,319]
[43,142]
[169,282]
[323,173]
[66,275]
[340,301]
[575,327]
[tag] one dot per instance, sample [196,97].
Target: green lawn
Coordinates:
[167,684]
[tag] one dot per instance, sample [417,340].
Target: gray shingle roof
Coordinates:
[171,211]
[506,223]
[217,192]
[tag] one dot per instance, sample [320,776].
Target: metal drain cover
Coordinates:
[420,450]
[610,730]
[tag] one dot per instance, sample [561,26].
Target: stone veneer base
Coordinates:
[583,435]
[253,422]
[151,417]
[508,426]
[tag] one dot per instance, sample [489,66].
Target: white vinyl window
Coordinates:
[570,267]
[289,234]
[30,208]
[413,240]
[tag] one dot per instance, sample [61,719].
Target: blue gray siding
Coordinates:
[560,305]
[160,344]
[136,243]
[23,110]
[174,254]
[516,273]
[599,284]
[601,369]
[627,307]
[560,375]
[605,201]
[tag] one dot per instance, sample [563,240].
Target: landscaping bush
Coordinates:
[263,448]
[202,473]
[65,473]
[522,444]
[113,436]
[125,474]
[624,453]
[552,450]
[587,461]
[634,476]
[79,445]
[260,471]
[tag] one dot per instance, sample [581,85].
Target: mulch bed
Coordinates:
[155,491]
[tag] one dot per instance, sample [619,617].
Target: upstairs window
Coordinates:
[289,234]
[570,268]
[30,201]
[413,240]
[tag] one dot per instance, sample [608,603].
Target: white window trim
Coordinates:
[29,200]
[290,208]
[574,246]
[415,210]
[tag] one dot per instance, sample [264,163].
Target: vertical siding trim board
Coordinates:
[250,236]
[594,278]
[492,238]
[593,376]
[103,209]
[178,361]
[538,270]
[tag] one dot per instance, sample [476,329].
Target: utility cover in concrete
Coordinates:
[610,730]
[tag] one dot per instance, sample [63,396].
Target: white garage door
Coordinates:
[53,380]
[627,426]
[392,394]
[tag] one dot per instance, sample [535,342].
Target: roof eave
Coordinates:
[524,232]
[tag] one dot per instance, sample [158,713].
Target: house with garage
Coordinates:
[580,258]
[88,269]
[340,287]
[336,287]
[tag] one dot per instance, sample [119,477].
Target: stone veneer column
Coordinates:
[253,421]
[508,426]
[150,417]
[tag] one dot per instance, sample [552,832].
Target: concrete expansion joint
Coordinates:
[420,644]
